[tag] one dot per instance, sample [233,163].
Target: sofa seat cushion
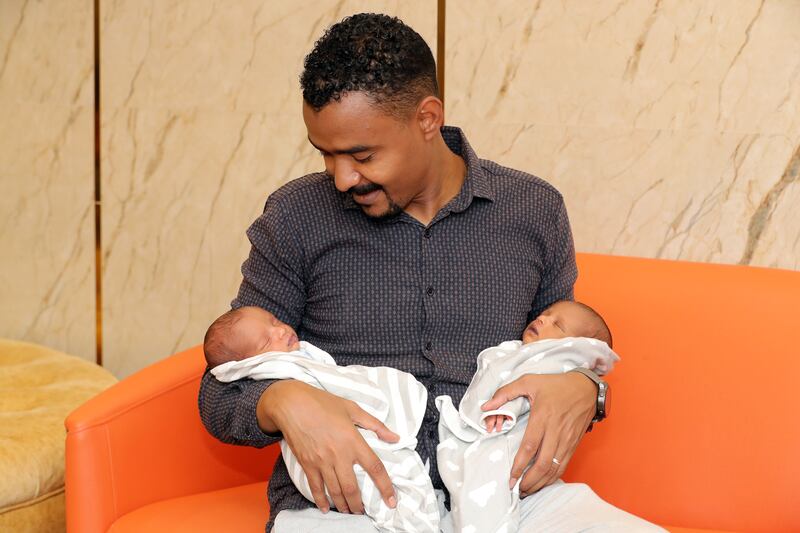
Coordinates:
[242,509]
[38,388]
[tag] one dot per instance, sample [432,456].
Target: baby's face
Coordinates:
[255,334]
[560,320]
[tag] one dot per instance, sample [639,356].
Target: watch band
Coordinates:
[602,394]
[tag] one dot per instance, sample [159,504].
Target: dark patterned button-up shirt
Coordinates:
[422,299]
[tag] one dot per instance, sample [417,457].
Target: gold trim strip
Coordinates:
[98,262]
[441,10]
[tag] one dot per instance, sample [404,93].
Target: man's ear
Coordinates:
[430,116]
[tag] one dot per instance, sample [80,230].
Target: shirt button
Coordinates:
[427,233]
[428,346]
[429,290]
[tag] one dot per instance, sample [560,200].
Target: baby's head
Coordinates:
[568,319]
[245,332]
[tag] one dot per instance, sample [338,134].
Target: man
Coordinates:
[409,252]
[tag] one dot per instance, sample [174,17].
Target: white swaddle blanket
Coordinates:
[393,397]
[476,465]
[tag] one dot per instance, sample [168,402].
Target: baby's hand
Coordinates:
[495,422]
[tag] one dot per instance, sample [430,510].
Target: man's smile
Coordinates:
[366,199]
[365,194]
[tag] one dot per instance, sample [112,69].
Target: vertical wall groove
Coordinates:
[98,266]
[440,25]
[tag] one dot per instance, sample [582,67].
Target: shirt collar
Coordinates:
[476,183]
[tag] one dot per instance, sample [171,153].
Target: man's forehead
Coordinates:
[350,106]
[353,115]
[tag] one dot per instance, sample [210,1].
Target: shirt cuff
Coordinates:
[246,429]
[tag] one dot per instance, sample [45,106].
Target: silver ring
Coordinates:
[556,462]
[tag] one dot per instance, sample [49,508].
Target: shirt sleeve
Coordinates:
[228,410]
[273,274]
[273,279]
[560,269]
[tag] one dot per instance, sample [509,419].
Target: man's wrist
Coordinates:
[589,389]
[601,393]
[267,407]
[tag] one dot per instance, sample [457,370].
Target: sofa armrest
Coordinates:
[703,430]
[142,441]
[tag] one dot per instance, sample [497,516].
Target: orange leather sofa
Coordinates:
[703,432]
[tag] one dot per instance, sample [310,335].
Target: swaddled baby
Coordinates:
[235,348]
[477,447]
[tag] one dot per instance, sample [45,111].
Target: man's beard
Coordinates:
[392,211]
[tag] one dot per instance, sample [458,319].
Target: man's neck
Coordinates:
[447,174]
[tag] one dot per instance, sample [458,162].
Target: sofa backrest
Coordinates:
[703,428]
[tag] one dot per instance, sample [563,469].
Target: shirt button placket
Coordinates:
[425,274]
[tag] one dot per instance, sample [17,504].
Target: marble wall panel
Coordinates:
[671,127]
[201,121]
[47,283]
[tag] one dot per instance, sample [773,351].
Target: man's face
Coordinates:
[379,159]
[560,320]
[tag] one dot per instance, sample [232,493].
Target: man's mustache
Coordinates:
[367,188]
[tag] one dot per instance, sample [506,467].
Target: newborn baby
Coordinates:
[477,447]
[245,332]
[249,343]
[562,319]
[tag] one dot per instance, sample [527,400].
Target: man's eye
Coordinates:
[364,160]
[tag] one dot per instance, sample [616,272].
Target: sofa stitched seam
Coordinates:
[111,475]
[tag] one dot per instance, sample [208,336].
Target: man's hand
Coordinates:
[562,406]
[320,430]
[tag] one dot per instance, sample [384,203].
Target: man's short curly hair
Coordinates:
[371,53]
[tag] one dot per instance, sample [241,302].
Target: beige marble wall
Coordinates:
[671,127]
[47,285]
[201,121]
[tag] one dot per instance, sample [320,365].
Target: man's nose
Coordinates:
[344,176]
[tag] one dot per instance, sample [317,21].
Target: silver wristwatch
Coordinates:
[601,409]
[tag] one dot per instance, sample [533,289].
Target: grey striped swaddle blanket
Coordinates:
[393,397]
